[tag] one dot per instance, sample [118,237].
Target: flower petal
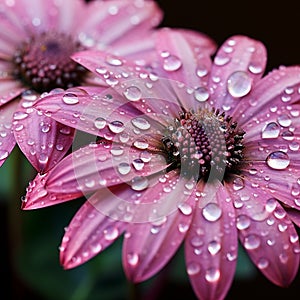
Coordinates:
[9,89]
[267,234]
[148,246]
[94,167]
[238,65]
[277,90]
[43,140]
[183,53]
[7,139]
[211,244]
[125,19]
[89,233]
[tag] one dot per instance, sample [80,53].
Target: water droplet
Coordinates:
[100,123]
[193,268]
[113,60]
[141,123]
[239,84]
[133,93]
[214,247]
[270,131]
[185,208]
[278,160]
[124,168]
[201,94]
[139,183]
[238,184]
[172,63]
[116,126]
[133,259]
[138,164]
[284,120]
[3,154]
[111,233]
[243,222]
[70,98]
[212,275]
[212,212]
[251,242]
[20,115]
[141,144]
[262,263]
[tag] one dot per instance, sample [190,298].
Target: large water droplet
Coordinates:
[172,63]
[124,168]
[239,84]
[251,242]
[212,212]
[3,154]
[116,126]
[20,115]
[201,94]
[270,131]
[113,60]
[193,268]
[141,123]
[212,275]
[243,222]
[133,93]
[138,164]
[278,160]
[214,247]
[133,259]
[139,183]
[70,98]
[100,123]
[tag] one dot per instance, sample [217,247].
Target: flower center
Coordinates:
[43,62]
[204,144]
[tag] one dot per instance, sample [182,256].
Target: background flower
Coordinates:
[35,50]
[24,273]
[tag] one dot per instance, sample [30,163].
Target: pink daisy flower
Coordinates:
[35,50]
[187,151]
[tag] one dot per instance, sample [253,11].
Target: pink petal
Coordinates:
[41,139]
[90,168]
[112,21]
[294,215]
[101,112]
[282,183]
[182,54]
[89,233]
[238,54]
[7,139]
[9,89]
[211,244]
[270,93]
[148,246]
[267,233]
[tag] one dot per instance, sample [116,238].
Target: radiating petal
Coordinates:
[238,65]
[267,233]
[9,89]
[270,93]
[182,54]
[112,21]
[94,167]
[148,246]
[89,233]
[7,139]
[43,140]
[211,244]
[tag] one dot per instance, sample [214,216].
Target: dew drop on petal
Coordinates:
[124,168]
[116,126]
[193,268]
[243,222]
[20,115]
[185,209]
[138,164]
[212,212]
[133,93]
[214,247]
[284,120]
[239,84]
[262,263]
[132,259]
[172,63]
[113,60]
[141,144]
[70,98]
[201,94]
[212,275]
[278,160]
[251,242]
[141,123]
[139,183]
[270,131]
[100,123]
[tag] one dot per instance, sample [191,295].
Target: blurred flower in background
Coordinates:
[35,50]
[190,151]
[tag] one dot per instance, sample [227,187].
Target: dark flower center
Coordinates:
[43,62]
[204,144]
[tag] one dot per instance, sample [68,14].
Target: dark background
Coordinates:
[29,241]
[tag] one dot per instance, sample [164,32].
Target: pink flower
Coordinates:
[36,43]
[187,151]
